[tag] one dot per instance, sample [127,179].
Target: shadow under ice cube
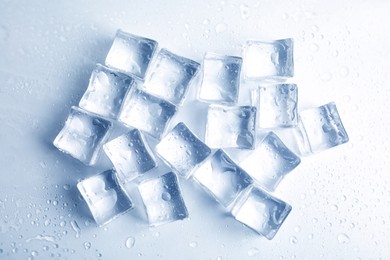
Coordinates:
[131,54]
[319,129]
[163,200]
[130,155]
[83,135]
[276,105]
[104,196]
[147,113]
[106,90]
[221,79]
[222,178]
[169,76]
[261,212]
[268,59]
[182,150]
[270,162]
[230,127]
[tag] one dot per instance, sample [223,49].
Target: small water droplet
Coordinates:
[55,202]
[343,238]
[193,244]
[253,251]
[310,236]
[166,196]
[334,207]
[206,21]
[220,28]
[293,240]
[34,253]
[344,71]
[130,242]
[244,11]
[314,47]
[297,229]
[87,245]
[66,187]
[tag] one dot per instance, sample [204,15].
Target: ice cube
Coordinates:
[83,135]
[276,105]
[163,200]
[130,155]
[131,54]
[270,162]
[169,76]
[222,178]
[320,128]
[261,211]
[104,196]
[221,78]
[182,150]
[106,91]
[268,59]
[230,127]
[147,113]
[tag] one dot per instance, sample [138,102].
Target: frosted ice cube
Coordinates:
[163,200]
[131,54]
[320,128]
[83,135]
[270,162]
[104,196]
[221,78]
[130,155]
[230,127]
[169,76]
[106,91]
[182,150]
[268,59]
[261,211]
[276,105]
[222,178]
[147,113]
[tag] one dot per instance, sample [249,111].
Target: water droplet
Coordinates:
[62,223]
[47,222]
[334,207]
[253,251]
[193,244]
[293,240]
[297,229]
[76,228]
[130,242]
[55,202]
[244,11]
[310,236]
[43,165]
[220,28]
[206,21]
[34,253]
[66,187]
[166,196]
[87,245]
[343,238]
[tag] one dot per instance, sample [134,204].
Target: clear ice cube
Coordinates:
[222,178]
[131,54]
[130,155]
[221,79]
[163,200]
[270,162]
[104,196]
[182,150]
[319,129]
[83,135]
[268,59]
[261,211]
[106,91]
[276,105]
[230,127]
[147,113]
[169,76]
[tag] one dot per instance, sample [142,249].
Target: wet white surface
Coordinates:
[340,198]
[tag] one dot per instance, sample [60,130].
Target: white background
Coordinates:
[340,198]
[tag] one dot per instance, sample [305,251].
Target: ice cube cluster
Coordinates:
[141,88]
